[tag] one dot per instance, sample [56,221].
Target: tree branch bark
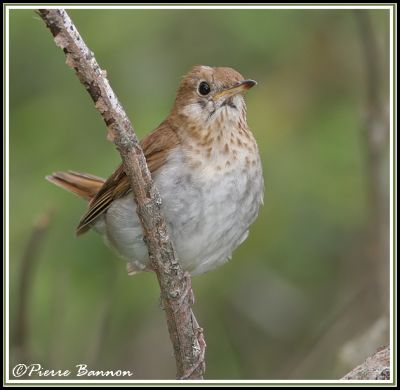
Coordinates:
[186,335]
[376,367]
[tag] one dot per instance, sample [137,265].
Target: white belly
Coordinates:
[208,214]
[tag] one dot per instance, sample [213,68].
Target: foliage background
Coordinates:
[302,298]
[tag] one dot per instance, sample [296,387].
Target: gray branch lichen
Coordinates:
[186,335]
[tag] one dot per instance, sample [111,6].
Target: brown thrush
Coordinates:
[205,163]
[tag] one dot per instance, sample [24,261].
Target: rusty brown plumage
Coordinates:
[182,129]
[156,147]
[101,193]
[82,184]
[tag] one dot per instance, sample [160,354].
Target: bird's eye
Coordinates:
[204,88]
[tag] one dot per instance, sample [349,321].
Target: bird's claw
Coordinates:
[200,364]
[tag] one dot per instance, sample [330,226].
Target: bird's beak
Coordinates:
[241,87]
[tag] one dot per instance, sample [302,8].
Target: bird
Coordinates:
[205,163]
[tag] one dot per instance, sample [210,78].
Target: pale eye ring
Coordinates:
[204,88]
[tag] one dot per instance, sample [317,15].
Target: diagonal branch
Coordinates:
[376,367]
[186,335]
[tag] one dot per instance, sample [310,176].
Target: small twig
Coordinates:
[375,127]
[188,349]
[376,367]
[375,138]
[28,263]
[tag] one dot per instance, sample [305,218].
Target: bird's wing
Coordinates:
[156,147]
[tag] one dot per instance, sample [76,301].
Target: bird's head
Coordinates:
[208,95]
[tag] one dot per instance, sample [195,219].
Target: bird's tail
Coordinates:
[82,184]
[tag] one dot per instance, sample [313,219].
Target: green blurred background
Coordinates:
[306,296]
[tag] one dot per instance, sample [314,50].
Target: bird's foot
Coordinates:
[200,365]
